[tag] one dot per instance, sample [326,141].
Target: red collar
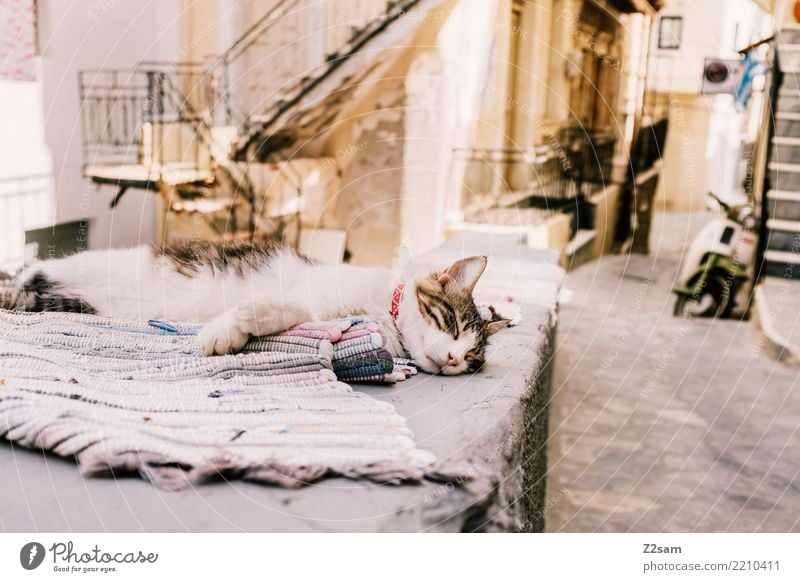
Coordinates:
[397,294]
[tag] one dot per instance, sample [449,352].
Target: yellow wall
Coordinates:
[199,37]
[542,99]
[787,14]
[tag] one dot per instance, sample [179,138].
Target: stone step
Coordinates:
[783,224]
[791,80]
[790,57]
[783,235]
[787,124]
[785,150]
[789,101]
[789,35]
[783,205]
[784,176]
[784,195]
[782,264]
[776,301]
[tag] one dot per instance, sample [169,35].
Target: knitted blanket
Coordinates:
[354,344]
[125,396]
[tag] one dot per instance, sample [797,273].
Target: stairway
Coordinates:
[328,87]
[782,249]
[158,127]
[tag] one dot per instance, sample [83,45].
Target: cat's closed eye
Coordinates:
[474,361]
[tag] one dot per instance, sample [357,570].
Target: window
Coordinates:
[670,31]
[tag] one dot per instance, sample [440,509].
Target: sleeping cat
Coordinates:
[239,290]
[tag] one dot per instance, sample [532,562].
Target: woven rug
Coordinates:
[128,396]
[354,344]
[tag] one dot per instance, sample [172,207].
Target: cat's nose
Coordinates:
[451,360]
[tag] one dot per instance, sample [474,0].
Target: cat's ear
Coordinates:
[464,273]
[494,326]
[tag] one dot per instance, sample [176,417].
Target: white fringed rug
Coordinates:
[122,396]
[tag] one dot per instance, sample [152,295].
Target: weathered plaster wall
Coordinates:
[381,151]
[452,92]
[431,105]
[426,154]
[368,203]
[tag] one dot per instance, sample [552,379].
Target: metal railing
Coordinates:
[230,70]
[113,106]
[590,156]
[775,79]
[548,176]
[25,202]
[284,51]
[242,87]
[364,28]
[144,116]
[188,116]
[491,174]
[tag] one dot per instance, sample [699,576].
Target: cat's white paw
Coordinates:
[221,336]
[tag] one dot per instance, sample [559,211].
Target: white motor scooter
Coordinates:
[719,264]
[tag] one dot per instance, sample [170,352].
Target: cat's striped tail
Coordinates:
[11,296]
[38,293]
[14,297]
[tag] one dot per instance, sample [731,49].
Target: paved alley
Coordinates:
[664,424]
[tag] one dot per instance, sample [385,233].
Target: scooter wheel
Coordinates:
[716,300]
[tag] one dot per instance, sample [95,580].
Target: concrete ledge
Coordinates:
[580,249]
[773,297]
[493,425]
[538,228]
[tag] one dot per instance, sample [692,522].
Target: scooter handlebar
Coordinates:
[719,200]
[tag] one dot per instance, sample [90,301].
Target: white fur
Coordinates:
[135,284]
[428,345]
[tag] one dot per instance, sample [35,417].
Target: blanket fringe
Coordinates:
[122,398]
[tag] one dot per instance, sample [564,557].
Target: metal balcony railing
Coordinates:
[25,202]
[182,128]
[502,176]
[550,176]
[146,116]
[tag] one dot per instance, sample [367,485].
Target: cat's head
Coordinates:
[441,327]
